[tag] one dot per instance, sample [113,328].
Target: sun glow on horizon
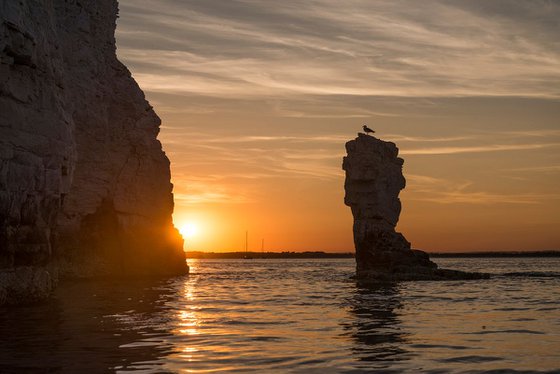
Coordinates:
[256,133]
[189,230]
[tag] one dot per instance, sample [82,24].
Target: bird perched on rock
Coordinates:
[367,130]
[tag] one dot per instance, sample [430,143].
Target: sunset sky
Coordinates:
[258,98]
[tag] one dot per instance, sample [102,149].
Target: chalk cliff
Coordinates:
[374,180]
[84,184]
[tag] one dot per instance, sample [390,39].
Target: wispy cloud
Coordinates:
[538,169]
[444,191]
[197,191]
[422,139]
[356,47]
[204,197]
[476,149]
[208,139]
[241,159]
[481,197]
[536,133]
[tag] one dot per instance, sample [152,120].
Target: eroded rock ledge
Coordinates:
[373,182]
[84,183]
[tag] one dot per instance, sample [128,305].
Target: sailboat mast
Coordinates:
[246,241]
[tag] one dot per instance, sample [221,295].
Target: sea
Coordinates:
[294,316]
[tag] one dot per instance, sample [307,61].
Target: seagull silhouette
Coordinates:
[367,130]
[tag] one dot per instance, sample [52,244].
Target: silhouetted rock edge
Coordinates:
[372,185]
[84,183]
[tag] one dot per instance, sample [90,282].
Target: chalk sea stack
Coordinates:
[373,182]
[84,183]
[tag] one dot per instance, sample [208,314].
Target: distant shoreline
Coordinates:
[320,254]
[256,255]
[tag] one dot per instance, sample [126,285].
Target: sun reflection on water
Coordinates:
[285,315]
[188,321]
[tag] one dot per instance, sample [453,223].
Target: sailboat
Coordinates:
[247,257]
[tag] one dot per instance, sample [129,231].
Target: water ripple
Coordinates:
[300,316]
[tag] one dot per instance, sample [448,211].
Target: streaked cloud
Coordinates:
[538,169]
[205,197]
[538,133]
[355,47]
[476,149]
[422,139]
[247,160]
[444,191]
[211,189]
[482,197]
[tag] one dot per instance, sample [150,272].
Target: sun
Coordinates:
[188,230]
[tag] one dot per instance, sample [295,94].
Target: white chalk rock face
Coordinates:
[84,183]
[374,180]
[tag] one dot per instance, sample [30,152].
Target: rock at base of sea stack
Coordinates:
[374,180]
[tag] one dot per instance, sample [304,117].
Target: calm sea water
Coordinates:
[303,316]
